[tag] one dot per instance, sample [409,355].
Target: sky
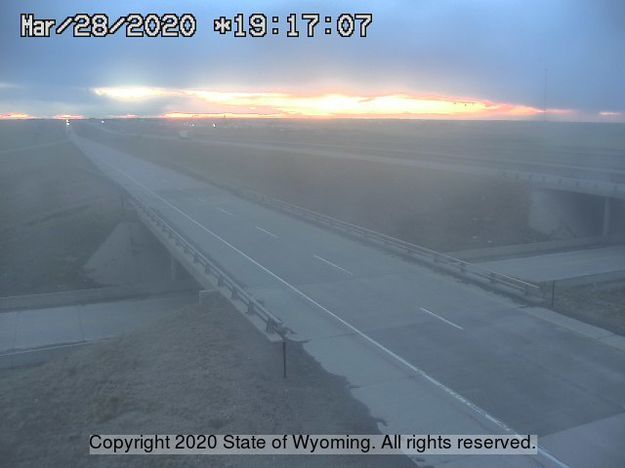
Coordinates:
[471,59]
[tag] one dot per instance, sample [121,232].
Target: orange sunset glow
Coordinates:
[15,116]
[198,103]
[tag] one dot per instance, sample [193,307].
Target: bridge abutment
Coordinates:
[564,215]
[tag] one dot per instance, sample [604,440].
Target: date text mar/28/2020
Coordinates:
[255,25]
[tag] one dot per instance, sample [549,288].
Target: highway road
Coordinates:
[425,352]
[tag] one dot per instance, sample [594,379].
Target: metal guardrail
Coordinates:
[221,278]
[452,264]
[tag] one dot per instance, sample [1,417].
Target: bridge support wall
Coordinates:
[565,215]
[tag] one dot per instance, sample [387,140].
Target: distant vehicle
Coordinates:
[183,134]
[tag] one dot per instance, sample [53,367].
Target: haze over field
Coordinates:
[422,59]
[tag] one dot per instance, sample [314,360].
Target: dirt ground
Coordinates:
[205,370]
[54,206]
[601,305]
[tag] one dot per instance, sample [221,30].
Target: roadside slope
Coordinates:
[205,369]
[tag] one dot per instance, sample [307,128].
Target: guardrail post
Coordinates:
[250,308]
[283,358]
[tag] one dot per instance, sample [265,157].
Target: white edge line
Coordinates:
[332,264]
[222,210]
[441,318]
[266,231]
[363,335]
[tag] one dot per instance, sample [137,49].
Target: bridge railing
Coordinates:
[211,268]
[454,265]
[605,188]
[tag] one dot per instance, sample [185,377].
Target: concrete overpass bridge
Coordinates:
[426,351]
